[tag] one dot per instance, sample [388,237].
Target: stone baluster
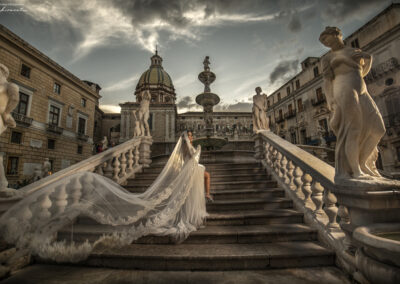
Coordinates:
[330,208]
[123,164]
[130,159]
[116,168]
[266,153]
[44,203]
[317,197]
[26,213]
[258,147]
[284,170]
[277,164]
[290,174]
[60,199]
[137,155]
[76,191]
[348,242]
[306,188]
[99,169]
[108,170]
[298,173]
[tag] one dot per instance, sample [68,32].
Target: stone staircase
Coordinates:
[251,226]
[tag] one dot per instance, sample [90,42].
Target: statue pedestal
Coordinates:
[145,151]
[369,202]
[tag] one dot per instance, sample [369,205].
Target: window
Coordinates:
[80,149]
[81,125]
[288,90]
[324,124]
[54,115]
[297,84]
[293,137]
[22,107]
[300,105]
[290,108]
[269,120]
[279,97]
[236,117]
[16,137]
[280,114]
[83,102]
[12,165]
[25,71]
[51,144]
[303,136]
[151,121]
[398,153]
[320,95]
[316,71]
[355,43]
[57,88]
[268,103]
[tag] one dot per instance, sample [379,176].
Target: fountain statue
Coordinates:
[9,98]
[208,100]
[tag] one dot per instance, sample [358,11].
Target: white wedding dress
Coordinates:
[173,205]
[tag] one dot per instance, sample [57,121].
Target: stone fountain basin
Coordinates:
[207,99]
[381,242]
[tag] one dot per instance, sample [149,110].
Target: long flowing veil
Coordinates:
[173,205]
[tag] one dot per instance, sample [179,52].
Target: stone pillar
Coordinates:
[258,147]
[122,128]
[128,131]
[145,151]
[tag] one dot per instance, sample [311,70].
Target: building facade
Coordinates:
[298,110]
[55,114]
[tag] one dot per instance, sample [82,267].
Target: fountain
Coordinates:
[208,100]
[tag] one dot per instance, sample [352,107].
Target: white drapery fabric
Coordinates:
[173,205]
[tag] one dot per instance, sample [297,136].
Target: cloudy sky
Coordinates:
[250,42]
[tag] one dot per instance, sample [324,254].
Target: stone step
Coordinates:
[132,187]
[212,256]
[216,166]
[146,179]
[249,204]
[245,170]
[248,217]
[207,235]
[247,193]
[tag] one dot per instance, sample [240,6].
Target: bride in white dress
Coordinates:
[173,205]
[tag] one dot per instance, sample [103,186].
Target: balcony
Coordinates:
[381,69]
[54,128]
[318,101]
[290,114]
[82,136]
[22,119]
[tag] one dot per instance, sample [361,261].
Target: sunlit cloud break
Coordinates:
[102,21]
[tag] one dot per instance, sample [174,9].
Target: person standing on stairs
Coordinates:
[207,180]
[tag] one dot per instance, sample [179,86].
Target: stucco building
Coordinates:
[55,114]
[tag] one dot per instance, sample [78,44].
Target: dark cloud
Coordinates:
[295,24]
[283,70]
[340,10]
[186,102]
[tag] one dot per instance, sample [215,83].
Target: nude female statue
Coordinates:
[356,120]
[260,120]
[143,113]
[9,98]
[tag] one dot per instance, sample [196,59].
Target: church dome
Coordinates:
[155,76]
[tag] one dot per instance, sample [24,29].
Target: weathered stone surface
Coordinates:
[49,274]
[4,271]
[7,254]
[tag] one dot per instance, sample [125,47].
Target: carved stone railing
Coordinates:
[54,128]
[309,182]
[381,69]
[22,119]
[117,163]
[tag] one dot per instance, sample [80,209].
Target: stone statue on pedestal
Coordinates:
[46,169]
[260,120]
[9,98]
[356,120]
[142,114]
[104,143]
